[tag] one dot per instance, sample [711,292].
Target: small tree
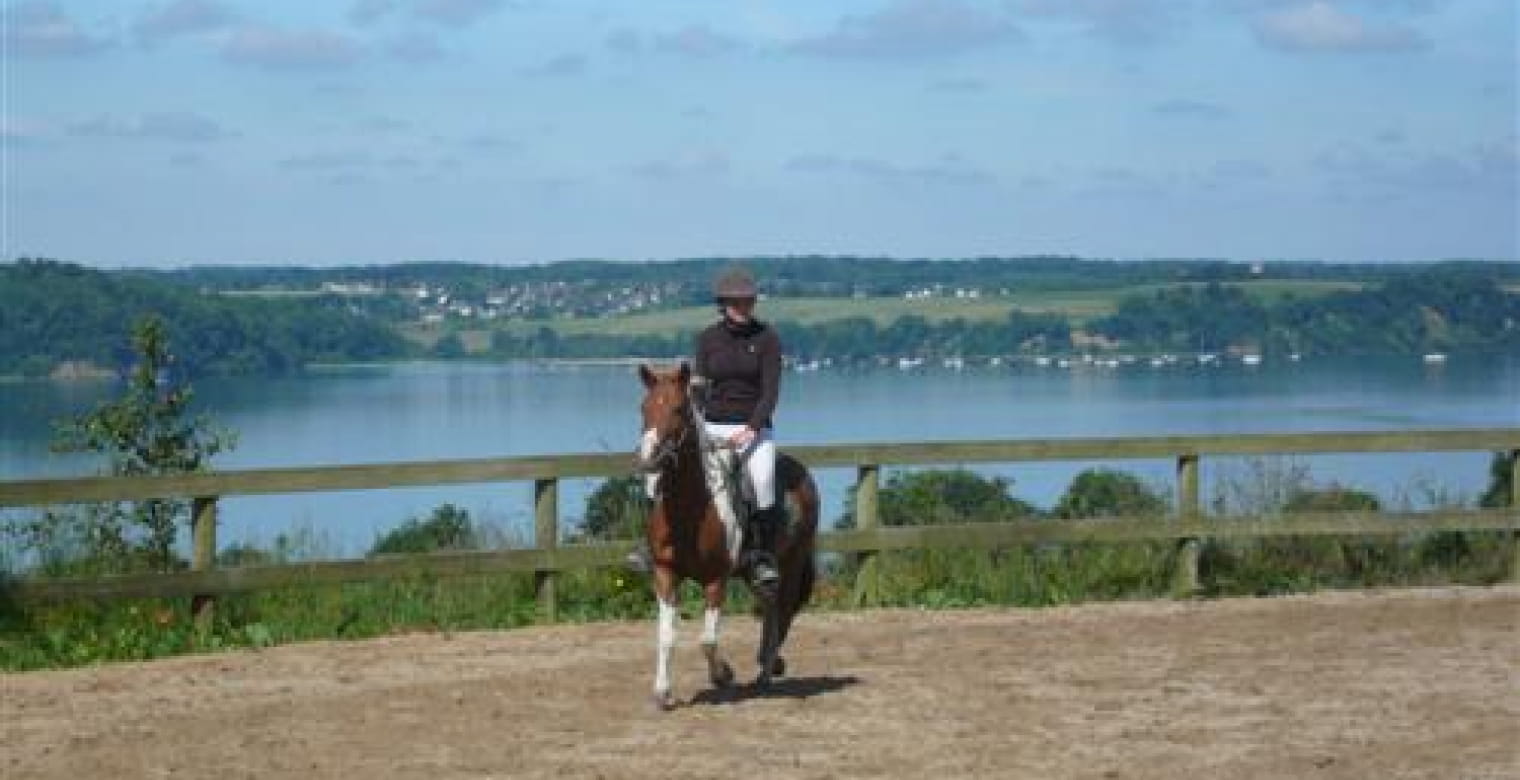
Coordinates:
[148,431]
[943,496]
[1334,498]
[1500,482]
[617,509]
[448,528]
[1107,493]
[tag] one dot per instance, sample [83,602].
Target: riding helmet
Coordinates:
[735,282]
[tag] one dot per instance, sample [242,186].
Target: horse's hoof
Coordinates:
[723,676]
[663,702]
[763,682]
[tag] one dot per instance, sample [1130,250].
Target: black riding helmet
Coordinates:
[735,282]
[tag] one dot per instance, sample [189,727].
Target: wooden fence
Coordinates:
[1187,525]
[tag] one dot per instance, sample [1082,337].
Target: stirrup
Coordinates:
[762,568]
[638,561]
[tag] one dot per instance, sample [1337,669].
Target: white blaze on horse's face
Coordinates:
[664,411]
[647,443]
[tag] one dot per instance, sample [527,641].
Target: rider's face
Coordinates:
[739,309]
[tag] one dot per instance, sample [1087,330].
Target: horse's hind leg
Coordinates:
[718,670]
[769,657]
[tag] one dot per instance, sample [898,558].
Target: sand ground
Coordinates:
[1377,684]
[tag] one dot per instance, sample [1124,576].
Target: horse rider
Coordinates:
[738,364]
[737,380]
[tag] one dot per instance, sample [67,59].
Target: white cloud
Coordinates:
[328,162]
[1492,167]
[384,125]
[914,29]
[696,41]
[39,29]
[487,142]
[1320,26]
[696,166]
[948,169]
[625,41]
[274,48]
[1195,109]
[20,131]
[364,13]
[180,18]
[450,13]
[178,127]
[959,86]
[415,47]
[455,13]
[557,67]
[1232,174]
[1123,21]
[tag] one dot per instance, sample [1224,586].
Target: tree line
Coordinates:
[1453,309]
[821,275]
[1447,310]
[53,312]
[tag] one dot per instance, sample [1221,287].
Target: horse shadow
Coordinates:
[785,688]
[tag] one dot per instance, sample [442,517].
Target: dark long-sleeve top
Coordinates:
[742,364]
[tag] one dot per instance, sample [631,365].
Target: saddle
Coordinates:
[736,500]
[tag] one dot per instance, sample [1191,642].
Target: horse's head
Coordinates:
[667,416]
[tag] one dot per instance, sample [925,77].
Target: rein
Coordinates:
[667,456]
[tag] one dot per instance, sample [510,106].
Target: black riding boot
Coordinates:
[763,525]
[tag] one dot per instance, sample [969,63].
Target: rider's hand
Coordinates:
[742,438]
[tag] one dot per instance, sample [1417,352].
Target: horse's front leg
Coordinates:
[665,636]
[718,670]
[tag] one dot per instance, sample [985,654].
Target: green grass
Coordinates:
[88,632]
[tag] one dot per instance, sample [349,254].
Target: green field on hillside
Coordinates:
[1079,306]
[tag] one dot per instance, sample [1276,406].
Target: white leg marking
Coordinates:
[710,620]
[666,642]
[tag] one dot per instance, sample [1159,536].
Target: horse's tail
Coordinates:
[803,490]
[807,577]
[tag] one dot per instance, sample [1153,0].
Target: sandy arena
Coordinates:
[1385,684]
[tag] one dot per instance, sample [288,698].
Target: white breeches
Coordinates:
[759,459]
[759,465]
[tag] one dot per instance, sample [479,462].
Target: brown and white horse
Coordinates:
[688,540]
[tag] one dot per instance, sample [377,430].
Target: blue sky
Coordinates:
[178,132]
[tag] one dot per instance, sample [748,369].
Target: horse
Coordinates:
[689,541]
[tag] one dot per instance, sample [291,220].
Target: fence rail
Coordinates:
[548,557]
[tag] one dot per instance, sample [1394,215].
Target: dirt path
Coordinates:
[1390,684]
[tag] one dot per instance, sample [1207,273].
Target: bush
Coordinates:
[944,496]
[448,528]
[1107,493]
[617,509]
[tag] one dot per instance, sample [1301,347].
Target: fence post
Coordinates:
[1514,509]
[546,538]
[1185,578]
[867,518]
[203,554]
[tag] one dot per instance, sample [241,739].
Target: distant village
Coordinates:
[436,303]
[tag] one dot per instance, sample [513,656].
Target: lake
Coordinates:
[424,411]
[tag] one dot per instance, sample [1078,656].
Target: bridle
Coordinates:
[667,452]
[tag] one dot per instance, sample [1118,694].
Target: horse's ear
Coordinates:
[646,375]
[685,374]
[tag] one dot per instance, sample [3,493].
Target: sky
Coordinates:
[204,132]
